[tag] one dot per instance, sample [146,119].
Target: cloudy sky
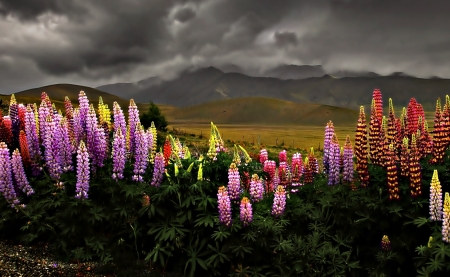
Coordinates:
[106,41]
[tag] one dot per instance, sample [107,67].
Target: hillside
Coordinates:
[264,111]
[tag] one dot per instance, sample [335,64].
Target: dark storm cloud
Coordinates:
[184,14]
[285,38]
[98,42]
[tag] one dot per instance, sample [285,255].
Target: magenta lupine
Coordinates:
[84,110]
[334,161]
[263,156]
[6,181]
[282,156]
[19,173]
[329,131]
[234,182]
[279,202]
[43,113]
[133,119]
[67,149]
[246,212]
[51,149]
[224,206]
[270,167]
[119,119]
[348,161]
[297,169]
[446,219]
[435,198]
[141,156]
[256,189]
[82,185]
[118,154]
[158,170]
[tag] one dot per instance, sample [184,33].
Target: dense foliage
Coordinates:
[154,115]
[105,190]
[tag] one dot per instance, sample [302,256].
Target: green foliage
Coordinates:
[154,114]
[325,230]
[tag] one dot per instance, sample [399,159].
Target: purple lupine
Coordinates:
[279,202]
[101,147]
[256,189]
[158,170]
[246,212]
[6,182]
[141,157]
[32,136]
[84,110]
[348,161]
[91,133]
[67,148]
[334,164]
[119,119]
[15,122]
[19,173]
[150,142]
[329,131]
[118,154]
[51,149]
[82,185]
[224,206]
[435,198]
[77,128]
[234,182]
[133,119]
[282,156]
[43,113]
[263,156]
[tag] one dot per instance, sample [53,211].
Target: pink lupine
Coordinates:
[246,213]
[256,189]
[234,182]
[263,156]
[269,167]
[279,202]
[141,154]
[224,206]
[19,173]
[297,169]
[446,219]
[158,170]
[118,154]
[329,131]
[82,185]
[282,156]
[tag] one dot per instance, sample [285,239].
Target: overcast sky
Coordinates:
[106,41]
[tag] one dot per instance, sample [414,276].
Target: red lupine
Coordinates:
[374,135]
[414,170]
[392,177]
[24,148]
[361,149]
[377,97]
[167,151]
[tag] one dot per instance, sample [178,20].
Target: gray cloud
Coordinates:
[97,42]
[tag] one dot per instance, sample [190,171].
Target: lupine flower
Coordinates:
[133,119]
[145,201]
[234,182]
[348,161]
[282,156]
[67,148]
[377,97]
[32,135]
[329,131]
[313,164]
[78,130]
[446,219]
[256,188]
[19,173]
[5,132]
[334,156]
[374,135]
[150,142]
[224,206]
[158,170]
[82,185]
[6,182]
[119,119]
[279,202]
[263,156]
[412,116]
[24,148]
[438,135]
[15,123]
[392,130]
[141,156]
[297,169]
[246,213]
[392,177]
[435,198]
[101,147]
[154,137]
[385,243]
[84,110]
[44,112]
[269,167]
[361,149]
[307,172]
[52,149]
[415,173]
[118,154]
[283,174]
[91,133]
[404,158]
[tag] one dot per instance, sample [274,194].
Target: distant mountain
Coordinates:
[348,73]
[286,72]
[129,89]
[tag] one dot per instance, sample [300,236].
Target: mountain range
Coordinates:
[344,89]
